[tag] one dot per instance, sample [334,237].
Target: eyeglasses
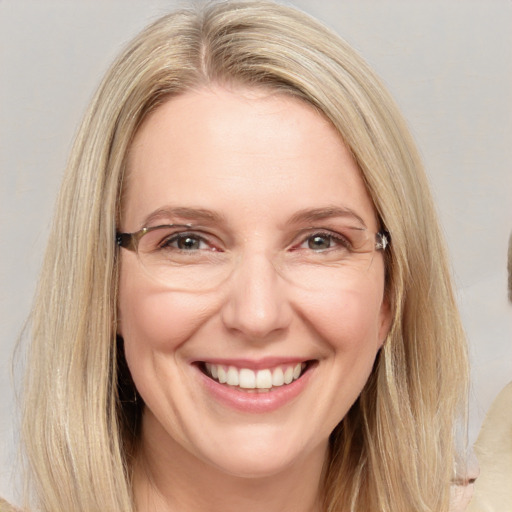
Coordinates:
[193,258]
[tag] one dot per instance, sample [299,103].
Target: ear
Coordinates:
[385,317]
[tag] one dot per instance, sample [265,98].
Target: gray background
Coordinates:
[448,64]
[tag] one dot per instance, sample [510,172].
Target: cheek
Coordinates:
[157,326]
[153,319]
[157,321]
[346,319]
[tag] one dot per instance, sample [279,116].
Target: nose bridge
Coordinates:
[256,302]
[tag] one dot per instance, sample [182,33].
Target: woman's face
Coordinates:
[257,287]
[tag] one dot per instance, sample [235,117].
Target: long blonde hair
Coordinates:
[394,451]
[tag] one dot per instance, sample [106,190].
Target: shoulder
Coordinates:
[493,449]
[495,437]
[6,507]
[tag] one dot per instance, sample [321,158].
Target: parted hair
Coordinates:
[394,451]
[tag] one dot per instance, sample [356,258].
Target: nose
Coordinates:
[256,304]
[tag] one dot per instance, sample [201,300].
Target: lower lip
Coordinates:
[254,402]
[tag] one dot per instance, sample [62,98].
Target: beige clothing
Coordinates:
[5,507]
[493,448]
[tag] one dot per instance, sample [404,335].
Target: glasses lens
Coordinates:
[189,260]
[183,259]
[329,259]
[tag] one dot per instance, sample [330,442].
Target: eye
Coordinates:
[324,241]
[185,242]
[319,242]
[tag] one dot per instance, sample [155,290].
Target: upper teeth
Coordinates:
[250,379]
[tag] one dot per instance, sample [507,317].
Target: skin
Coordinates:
[255,159]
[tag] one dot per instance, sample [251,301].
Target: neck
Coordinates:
[168,478]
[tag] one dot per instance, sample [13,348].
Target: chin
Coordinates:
[256,467]
[268,455]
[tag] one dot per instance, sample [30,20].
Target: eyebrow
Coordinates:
[312,215]
[210,216]
[185,213]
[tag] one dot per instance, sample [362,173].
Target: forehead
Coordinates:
[237,151]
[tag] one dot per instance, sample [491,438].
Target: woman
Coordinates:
[245,300]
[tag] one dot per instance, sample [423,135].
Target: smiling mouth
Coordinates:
[255,381]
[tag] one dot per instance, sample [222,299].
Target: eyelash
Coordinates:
[336,238]
[176,237]
[333,237]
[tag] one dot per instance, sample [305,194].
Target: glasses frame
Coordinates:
[130,241]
